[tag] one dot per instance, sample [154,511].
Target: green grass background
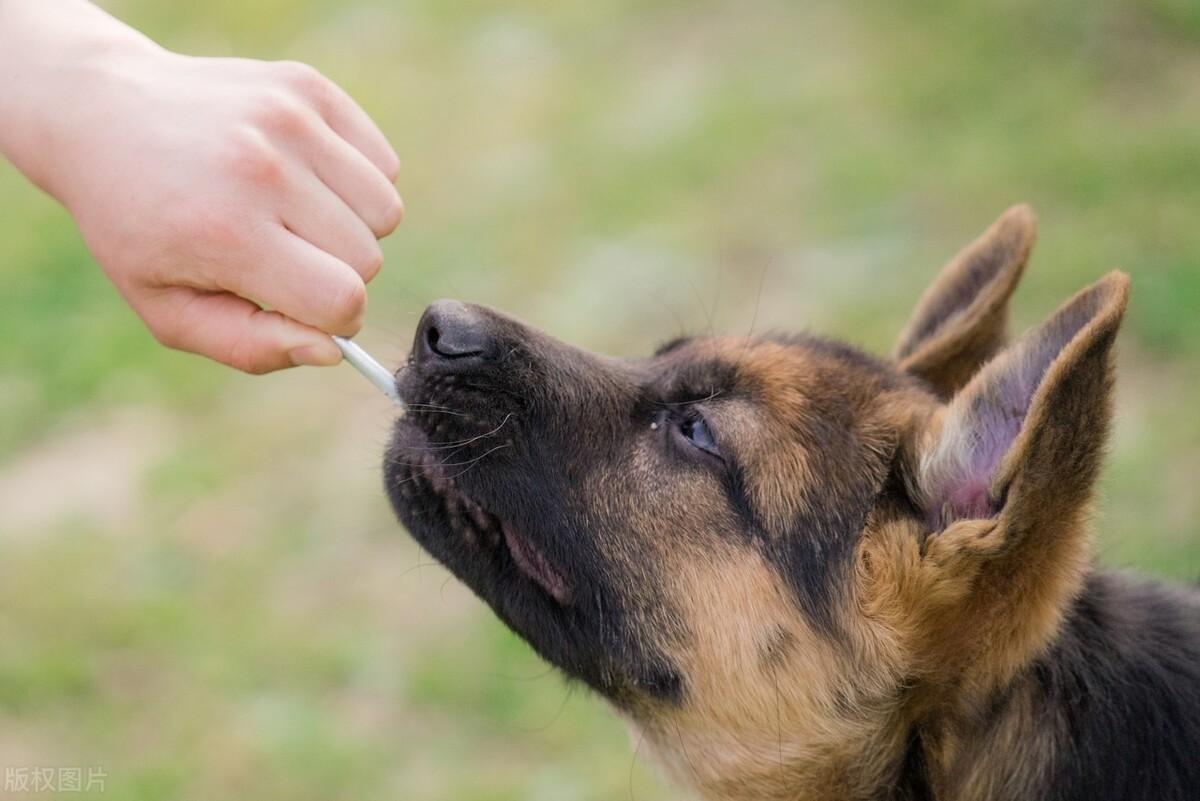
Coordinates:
[201,587]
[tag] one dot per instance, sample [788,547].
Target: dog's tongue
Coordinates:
[533,564]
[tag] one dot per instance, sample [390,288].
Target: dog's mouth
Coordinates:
[534,564]
[428,484]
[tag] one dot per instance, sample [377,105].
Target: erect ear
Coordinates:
[1003,475]
[961,319]
[1022,442]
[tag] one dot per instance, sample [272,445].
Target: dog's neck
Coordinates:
[726,766]
[1009,745]
[1099,714]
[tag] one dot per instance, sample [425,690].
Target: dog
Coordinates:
[802,572]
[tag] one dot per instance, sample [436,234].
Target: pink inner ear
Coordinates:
[970,500]
[993,417]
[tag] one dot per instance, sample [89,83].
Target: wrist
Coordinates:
[56,58]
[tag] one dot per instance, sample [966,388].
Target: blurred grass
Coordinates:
[201,588]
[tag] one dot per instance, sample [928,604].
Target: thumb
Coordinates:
[234,331]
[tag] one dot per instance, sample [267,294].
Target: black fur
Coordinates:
[1121,690]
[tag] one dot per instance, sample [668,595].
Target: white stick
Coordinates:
[372,370]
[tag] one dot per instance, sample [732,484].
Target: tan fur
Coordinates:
[936,623]
[754,730]
[805,720]
[775,457]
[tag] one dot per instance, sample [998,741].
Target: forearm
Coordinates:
[52,52]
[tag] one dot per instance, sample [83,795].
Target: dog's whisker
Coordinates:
[716,393]
[427,407]
[749,337]
[463,442]
[687,758]
[467,465]
[712,332]
[417,567]
[570,689]
[633,762]
[535,677]
[476,460]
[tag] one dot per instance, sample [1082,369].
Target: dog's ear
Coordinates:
[1023,439]
[961,319]
[1002,475]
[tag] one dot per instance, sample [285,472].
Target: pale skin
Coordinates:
[236,205]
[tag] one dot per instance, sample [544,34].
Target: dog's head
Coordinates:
[773,554]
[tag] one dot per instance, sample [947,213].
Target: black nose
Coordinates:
[452,334]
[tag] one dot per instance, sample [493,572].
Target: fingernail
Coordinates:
[315,355]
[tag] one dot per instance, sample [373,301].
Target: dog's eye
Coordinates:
[696,431]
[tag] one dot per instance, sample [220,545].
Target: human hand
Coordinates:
[210,188]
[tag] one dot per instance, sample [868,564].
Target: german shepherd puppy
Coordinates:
[802,572]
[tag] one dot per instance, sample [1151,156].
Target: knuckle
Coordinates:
[370,264]
[253,158]
[254,368]
[295,73]
[283,114]
[392,168]
[347,303]
[243,355]
[393,215]
[302,78]
[165,332]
